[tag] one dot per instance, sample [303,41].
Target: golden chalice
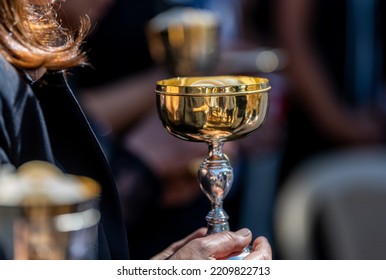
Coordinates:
[213,109]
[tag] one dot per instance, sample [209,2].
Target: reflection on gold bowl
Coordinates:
[218,108]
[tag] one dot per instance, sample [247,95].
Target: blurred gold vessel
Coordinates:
[47,215]
[185,41]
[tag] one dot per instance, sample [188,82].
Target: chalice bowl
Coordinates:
[213,110]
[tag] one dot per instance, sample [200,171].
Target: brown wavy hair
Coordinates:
[31,36]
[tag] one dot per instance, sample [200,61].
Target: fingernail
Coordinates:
[244,232]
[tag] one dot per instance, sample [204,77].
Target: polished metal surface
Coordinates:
[213,109]
[220,108]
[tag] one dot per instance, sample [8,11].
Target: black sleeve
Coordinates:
[23,134]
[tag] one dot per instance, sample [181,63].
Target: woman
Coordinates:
[41,120]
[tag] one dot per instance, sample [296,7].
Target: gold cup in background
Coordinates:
[185,41]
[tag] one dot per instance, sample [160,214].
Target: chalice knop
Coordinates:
[213,109]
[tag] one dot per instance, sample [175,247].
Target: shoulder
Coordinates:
[13,87]
[8,72]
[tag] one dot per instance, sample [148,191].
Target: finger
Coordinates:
[224,244]
[177,245]
[196,234]
[261,250]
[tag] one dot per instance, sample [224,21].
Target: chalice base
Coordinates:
[242,255]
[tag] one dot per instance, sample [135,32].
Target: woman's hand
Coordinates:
[198,246]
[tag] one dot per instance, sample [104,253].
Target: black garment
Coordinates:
[46,123]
